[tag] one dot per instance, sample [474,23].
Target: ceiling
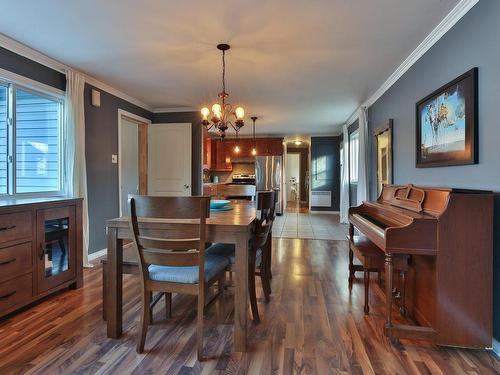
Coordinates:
[303,67]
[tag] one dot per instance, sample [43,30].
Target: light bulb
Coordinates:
[254,151]
[237,149]
[216,109]
[240,113]
[298,143]
[205,112]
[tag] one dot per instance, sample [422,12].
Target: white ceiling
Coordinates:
[301,66]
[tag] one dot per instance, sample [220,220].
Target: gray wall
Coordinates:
[196,146]
[471,42]
[101,141]
[329,180]
[28,68]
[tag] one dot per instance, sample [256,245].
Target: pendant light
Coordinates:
[254,149]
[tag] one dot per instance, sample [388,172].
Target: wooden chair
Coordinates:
[259,254]
[226,191]
[372,260]
[174,262]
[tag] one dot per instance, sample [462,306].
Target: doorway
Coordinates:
[132,157]
[297,178]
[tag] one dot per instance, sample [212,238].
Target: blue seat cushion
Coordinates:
[188,275]
[227,251]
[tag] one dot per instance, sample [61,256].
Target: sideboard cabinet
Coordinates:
[40,249]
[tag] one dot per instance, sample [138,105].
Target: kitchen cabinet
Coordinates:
[218,154]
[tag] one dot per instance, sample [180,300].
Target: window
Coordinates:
[353,156]
[30,142]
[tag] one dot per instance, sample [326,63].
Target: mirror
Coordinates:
[383,144]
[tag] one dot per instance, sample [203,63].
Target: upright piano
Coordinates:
[448,234]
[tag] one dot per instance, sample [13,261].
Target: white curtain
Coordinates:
[75,167]
[344,178]
[363,181]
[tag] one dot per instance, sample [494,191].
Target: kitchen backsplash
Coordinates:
[238,168]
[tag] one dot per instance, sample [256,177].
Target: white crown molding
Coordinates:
[175,109]
[32,54]
[435,35]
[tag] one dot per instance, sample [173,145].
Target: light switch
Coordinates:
[114,159]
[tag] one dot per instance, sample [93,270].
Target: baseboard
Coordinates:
[97,254]
[496,347]
[312,211]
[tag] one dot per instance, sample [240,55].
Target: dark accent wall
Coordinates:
[327,175]
[196,142]
[101,141]
[471,42]
[31,69]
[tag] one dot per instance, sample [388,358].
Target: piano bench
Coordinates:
[372,260]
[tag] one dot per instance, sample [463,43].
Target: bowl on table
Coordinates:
[217,204]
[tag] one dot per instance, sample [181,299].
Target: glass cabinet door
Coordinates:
[56,241]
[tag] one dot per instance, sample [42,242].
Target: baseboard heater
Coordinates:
[321,198]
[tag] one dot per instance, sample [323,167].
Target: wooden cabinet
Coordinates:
[218,155]
[40,250]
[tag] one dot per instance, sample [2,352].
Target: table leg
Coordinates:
[114,284]
[388,288]
[241,293]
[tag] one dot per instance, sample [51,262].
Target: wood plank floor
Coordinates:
[311,326]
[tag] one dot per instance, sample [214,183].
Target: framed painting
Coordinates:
[446,124]
[383,144]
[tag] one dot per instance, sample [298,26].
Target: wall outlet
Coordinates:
[114,159]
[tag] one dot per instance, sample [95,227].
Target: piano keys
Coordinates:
[449,235]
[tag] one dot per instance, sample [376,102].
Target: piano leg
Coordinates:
[351,267]
[388,289]
[367,285]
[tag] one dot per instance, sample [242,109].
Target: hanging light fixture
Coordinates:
[254,149]
[222,111]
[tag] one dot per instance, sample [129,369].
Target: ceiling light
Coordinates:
[254,149]
[221,111]
[298,143]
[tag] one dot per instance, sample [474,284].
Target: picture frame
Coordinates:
[446,124]
[383,146]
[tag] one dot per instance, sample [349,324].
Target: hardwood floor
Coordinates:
[311,326]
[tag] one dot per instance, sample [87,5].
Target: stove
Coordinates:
[243,179]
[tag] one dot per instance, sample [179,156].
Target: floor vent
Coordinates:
[321,198]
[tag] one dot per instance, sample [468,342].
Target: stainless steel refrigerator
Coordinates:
[269,176]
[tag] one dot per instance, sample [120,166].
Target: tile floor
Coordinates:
[316,226]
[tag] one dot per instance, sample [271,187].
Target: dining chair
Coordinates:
[174,261]
[259,248]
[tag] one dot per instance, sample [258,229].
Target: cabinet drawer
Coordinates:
[15,292]
[15,260]
[15,226]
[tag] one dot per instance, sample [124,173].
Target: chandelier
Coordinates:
[222,111]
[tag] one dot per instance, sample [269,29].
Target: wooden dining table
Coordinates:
[230,227]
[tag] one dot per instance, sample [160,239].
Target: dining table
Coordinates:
[233,226]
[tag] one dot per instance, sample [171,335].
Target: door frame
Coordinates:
[142,125]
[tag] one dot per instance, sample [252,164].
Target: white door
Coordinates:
[128,162]
[169,159]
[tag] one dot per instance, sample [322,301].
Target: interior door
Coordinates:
[129,162]
[169,159]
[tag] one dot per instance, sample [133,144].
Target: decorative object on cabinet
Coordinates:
[40,249]
[383,143]
[446,124]
[222,111]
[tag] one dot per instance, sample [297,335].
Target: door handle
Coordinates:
[186,186]
[8,295]
[2,229]
[4,262]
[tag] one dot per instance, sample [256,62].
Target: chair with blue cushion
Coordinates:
[174,261]
[259,250]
